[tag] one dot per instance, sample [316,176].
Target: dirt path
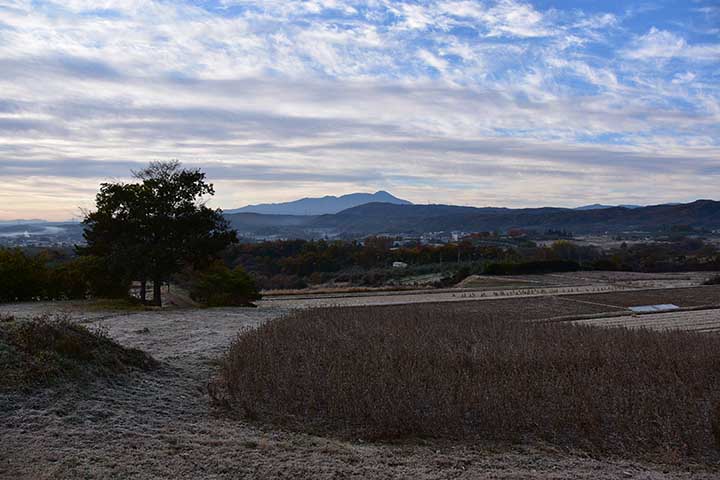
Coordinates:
[160,425]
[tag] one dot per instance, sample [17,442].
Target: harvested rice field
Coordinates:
[682,297]
[705,321]
[522,308]
[502,287]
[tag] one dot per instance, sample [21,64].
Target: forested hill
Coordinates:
[374,218]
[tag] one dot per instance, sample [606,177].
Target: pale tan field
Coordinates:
[492,287]
[707,321]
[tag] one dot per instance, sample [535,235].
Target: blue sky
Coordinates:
[506,102]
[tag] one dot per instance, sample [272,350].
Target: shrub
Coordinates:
[44,350]
[67,281]
[26,277]
[101,280]
[22,277]
[83,277]
[374,278]
[219,286]
[381,373]
[284,282]
[604,264]
[715,280]
[317,278]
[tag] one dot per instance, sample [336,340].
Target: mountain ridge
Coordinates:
[599,206]
[378,218]
[329,204]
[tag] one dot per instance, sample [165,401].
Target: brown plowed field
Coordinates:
[522,308]
[682,297]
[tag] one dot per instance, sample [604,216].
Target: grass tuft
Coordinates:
[45,350]
[382,374]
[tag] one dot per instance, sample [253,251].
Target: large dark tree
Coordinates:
[114,233]
[151,229]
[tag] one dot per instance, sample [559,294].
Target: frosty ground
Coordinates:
[161,424]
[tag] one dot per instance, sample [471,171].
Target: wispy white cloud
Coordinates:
[427,99]
[681,78]
[659,44]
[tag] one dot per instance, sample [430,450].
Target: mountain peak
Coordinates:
[328,204]
[598,206]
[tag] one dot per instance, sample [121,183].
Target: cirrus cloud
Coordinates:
[478,102]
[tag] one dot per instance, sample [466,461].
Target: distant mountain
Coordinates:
[320,206]
[377,218]
[383,218]
[598,206]
[386,218]
[21,221]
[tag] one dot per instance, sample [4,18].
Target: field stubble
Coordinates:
[391,372]
[160,423]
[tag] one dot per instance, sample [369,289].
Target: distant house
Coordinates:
[400,265]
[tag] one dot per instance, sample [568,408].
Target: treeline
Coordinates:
[297,263]
[50,275]
[62,275]
[292,264]
[683,254]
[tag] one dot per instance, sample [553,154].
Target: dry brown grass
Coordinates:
[388,373]
[47,350]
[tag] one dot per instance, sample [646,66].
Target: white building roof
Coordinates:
[663,307]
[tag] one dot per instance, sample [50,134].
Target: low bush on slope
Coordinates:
[46,350]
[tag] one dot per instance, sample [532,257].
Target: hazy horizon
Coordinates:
[483,103]
[79,217]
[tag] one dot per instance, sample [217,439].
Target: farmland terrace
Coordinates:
[162,423]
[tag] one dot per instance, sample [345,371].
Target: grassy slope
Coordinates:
[46,350]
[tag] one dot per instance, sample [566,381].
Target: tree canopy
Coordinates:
[152,228]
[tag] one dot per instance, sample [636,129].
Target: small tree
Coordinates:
[151,229]
[219,286]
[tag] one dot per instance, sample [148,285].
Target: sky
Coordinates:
[503,103]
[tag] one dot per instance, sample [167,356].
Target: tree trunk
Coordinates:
[157,285]
[143,290]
